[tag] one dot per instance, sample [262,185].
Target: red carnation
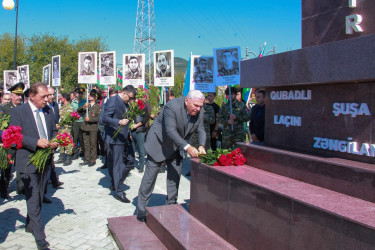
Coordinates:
[12,135]
[141,104]
[216,163]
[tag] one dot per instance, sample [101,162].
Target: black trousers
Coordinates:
[5,179]
[34,184]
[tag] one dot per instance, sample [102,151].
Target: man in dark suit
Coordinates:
[120,158]
[38,127]
[16,98]
[168,140]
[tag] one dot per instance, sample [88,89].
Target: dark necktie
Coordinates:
[39,122]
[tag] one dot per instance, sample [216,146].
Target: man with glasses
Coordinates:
[120,151]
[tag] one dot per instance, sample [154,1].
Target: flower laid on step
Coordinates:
[12,140]
[40,157]
[223,157]
[135,109]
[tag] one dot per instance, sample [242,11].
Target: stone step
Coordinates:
[131,234]
[353,178]
[177,229]
[256,209]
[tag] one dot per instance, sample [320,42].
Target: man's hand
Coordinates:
[254,137]
[193,152]
[57,127]
[43,143]
[87,119]
[123,122]
[54,144]
[85,105]
[232,116]
[201,150]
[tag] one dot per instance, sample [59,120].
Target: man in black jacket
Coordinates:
[257,118]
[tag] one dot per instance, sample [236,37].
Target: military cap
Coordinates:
[79,89]
[94,93]
[17,88]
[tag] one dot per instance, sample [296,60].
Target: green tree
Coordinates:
[7,52]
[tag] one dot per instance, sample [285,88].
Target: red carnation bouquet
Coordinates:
[223,157]
[135,108]
[40,157]
[68,118]
[11,136]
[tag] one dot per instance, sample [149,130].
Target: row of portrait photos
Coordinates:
[206,72]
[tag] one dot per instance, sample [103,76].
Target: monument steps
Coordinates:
[167,227]
[349,177]
[256,209]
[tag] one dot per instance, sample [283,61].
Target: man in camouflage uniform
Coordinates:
[202,74]
[63,127]
[90,128]
[240,114]
[209,118]
[230,67]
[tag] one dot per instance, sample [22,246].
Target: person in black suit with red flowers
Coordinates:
[38,127]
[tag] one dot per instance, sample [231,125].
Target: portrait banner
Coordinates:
[164,68]
[56,71]
[10,78]
[133,70]
[23,75]
[227,66]
[201,73]
[87,65]
[46,75]
[107,66]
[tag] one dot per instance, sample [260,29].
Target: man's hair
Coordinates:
[195,94]
[233,90]
[105,57]
[11,74]
[133,57]
[111,92]
[22,69]
[130,89]
[212,93]
[50,88]
[225,51]
[66,96]
[88,57]
[35,86]
[163,54]
[202,59]
[263,92]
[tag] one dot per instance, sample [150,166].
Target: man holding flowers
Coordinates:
[38,127]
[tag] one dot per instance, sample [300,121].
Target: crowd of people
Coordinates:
[185,127]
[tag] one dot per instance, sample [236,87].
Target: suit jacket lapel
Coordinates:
[46,114]
[30,115]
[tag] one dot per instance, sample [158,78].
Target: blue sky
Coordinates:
[195,26]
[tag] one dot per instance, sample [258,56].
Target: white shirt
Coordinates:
[33,108]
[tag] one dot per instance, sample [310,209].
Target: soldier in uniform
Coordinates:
[209,118]
[106,69]
[66,109]
[240,114]
[229,67]
[90,128]
[201,73]
[87,66]
[16,98]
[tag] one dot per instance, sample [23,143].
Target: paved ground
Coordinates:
[77,218]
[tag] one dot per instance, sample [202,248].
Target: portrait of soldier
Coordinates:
[202,71]
[56,73]
[106,66]
[46,75]
[229,63]
[163,68]
[11,79]
[133,68]
[23,76]
[87,65]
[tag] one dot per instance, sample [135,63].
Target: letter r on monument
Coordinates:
[352,23]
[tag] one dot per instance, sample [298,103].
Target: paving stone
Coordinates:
[77,217]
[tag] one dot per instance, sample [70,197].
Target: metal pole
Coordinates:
[230,102]
[15,39]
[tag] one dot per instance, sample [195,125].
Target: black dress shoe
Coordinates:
[140,170]
[42,244]
[122,198]
[112,188]
[104,166]
[58,184]
[91,164]
[4,196]
[46,200]
[84,163]
[187,174]
[141,216]
[20,191]
[28,230]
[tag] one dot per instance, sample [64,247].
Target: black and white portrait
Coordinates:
[227,66]
[203,69]
[23,75]
[10,78]
[107,66]
[87,64]
[56,73]
[134,69]
[164,68]
[46,75]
